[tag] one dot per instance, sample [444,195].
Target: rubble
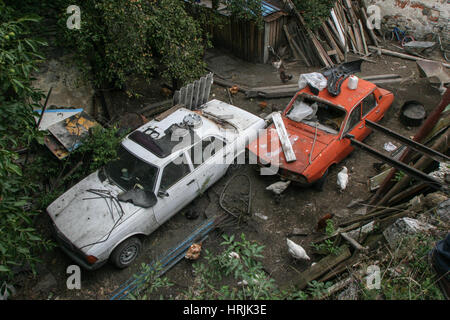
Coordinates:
[404,227]
[443,211]
[350,293]
[46,284]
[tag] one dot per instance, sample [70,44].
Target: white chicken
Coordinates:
[342,179]
[277,64]
[234,255]
[279,187]
[296,250]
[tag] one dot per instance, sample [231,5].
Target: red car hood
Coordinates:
[301,137]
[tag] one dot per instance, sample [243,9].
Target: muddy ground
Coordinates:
[299,207]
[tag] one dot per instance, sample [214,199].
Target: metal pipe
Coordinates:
[399,165]
[423,131]
[435,155]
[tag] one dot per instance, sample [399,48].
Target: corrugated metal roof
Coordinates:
[268,8]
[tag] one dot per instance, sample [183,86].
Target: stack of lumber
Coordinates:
[345,30]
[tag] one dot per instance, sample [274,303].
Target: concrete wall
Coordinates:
[419,15]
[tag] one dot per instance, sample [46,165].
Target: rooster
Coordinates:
[283,76]
[322,223]
[296,250]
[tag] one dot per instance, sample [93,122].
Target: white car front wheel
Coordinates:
[126,252]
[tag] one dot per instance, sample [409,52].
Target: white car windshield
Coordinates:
[130,172]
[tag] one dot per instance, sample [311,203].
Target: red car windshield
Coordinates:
[310,112]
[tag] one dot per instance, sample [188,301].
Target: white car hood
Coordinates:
[84,217]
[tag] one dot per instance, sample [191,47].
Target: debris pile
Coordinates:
[345,29]
[402,207]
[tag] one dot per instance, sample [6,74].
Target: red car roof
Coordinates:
[347,98]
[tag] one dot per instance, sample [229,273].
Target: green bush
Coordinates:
[19,241]
[314,11]
[150,38]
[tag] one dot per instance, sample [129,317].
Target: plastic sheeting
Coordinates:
[315,79]
[302,110]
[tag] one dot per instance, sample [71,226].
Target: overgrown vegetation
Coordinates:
[328,246]
[247,10]
[314,11]
[142,38]
[56,176]
[19,55]
[236,273]
[406,272]
[149,282]
[24,191]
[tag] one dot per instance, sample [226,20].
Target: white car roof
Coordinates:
[207,128]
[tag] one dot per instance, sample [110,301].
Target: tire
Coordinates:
[318,185]
[126,253]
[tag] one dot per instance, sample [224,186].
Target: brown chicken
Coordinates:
[322,223]
[193,252]
[234,89]
[283,76]
[262,104]
[165,92]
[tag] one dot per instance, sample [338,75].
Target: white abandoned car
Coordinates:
[161,167]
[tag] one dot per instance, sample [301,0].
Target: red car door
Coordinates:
[370,110]
[354,126]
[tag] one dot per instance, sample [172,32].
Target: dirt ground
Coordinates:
[299,207]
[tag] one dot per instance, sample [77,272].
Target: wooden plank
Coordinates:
[335,35]
[371,33]
[338,27]
[323,266]
[295,47]
[366,51]
[166,113]
[331,41]
[323,57]
[284,138]
[403,56]
[358,39]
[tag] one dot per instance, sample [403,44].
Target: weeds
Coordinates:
[408,275]
[328,246]
[149,282]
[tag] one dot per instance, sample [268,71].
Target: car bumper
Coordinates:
[75,254]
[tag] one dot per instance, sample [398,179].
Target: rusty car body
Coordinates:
[322,142]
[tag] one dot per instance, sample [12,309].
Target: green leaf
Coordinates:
[4,269]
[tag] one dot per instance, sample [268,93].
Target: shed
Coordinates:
[244,39]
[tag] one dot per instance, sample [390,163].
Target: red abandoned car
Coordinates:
[318,127]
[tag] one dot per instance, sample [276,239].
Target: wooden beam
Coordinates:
[284,138]
[323,266]
[403,56]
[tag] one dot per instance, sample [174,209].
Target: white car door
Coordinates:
[177,187]
[207,157]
